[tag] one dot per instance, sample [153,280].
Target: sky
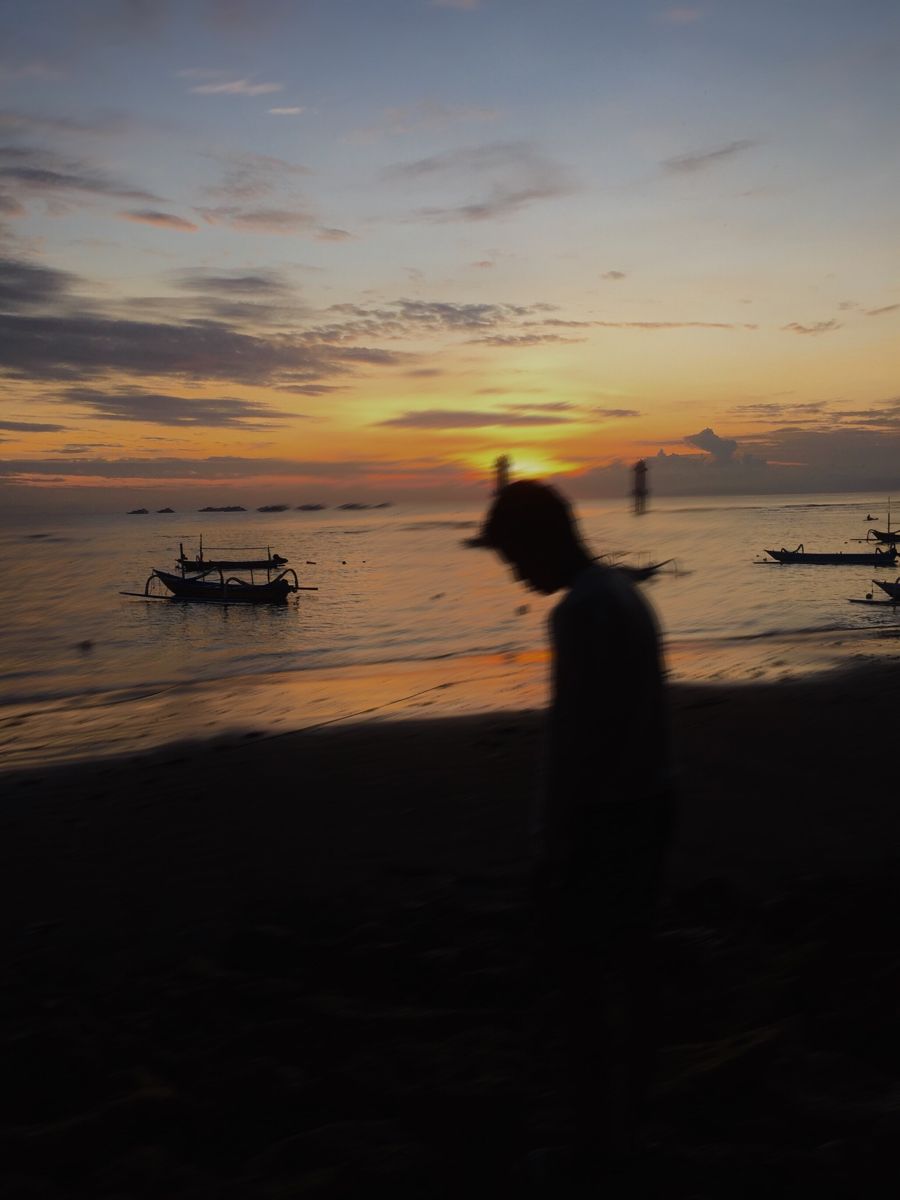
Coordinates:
[331,250]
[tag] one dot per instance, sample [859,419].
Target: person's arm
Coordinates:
[575,725]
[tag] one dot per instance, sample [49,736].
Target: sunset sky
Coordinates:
[355,249]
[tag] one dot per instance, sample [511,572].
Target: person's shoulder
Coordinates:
[595,586]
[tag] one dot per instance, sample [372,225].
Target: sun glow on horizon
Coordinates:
[400,271]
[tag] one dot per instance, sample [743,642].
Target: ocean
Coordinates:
[405,621]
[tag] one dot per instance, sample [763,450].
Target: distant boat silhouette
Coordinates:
[138,512]
[165,510]
[310,507]
[273,508]
[838,559]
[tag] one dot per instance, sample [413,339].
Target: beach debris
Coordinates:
[87,644]
[523,609]
[310,563]
[439,595]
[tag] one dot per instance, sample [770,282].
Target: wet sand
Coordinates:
[270,966]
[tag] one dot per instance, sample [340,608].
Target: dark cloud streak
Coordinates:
[439,418]
[687,164]
[160,409]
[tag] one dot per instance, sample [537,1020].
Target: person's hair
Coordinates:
[527,513]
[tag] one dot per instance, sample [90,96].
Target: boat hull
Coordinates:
[225,590]
[885,558]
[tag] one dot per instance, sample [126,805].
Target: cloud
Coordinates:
[156,408]
[721,449]
[163,220]
[425,115]
[215,467]
[886,308]
[613,275]
[83,347]
[326,233]
[670,325]
[35,68]
[440,418]
[29,170]
[309,389]
[483,264]
[295,111]
[248,176]
[26,285]
[681,16]
[410,318]
[772,410]
[244,18]
[462,5]
[816,327]
[515,175]
[236,87]
[686,164]
[545,406]
[615,413]
[10,207]
[264,282]
[103,123]
[502,202]
[258,220]
[522,339]
[30,427]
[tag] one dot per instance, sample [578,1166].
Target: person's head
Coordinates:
[532,528]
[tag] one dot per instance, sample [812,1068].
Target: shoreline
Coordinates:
[825,808]
[125,721]
[260,966]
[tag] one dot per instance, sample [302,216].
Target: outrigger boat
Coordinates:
[207,579]
[876,558]
[888,536]
[892,589]
[226,588]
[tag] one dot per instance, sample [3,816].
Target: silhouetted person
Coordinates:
[640,491]
[603,819]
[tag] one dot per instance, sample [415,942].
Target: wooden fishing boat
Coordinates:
[215,585]
[890,536]
[209,580]
[892,589]
[876,558]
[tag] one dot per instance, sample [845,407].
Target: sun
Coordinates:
[525,465]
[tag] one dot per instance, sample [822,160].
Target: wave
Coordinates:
[431,524]
[775,634]
[262,668]
[710,508]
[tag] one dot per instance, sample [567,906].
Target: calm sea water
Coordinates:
[398,598]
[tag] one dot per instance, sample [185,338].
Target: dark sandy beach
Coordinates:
[299,965]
